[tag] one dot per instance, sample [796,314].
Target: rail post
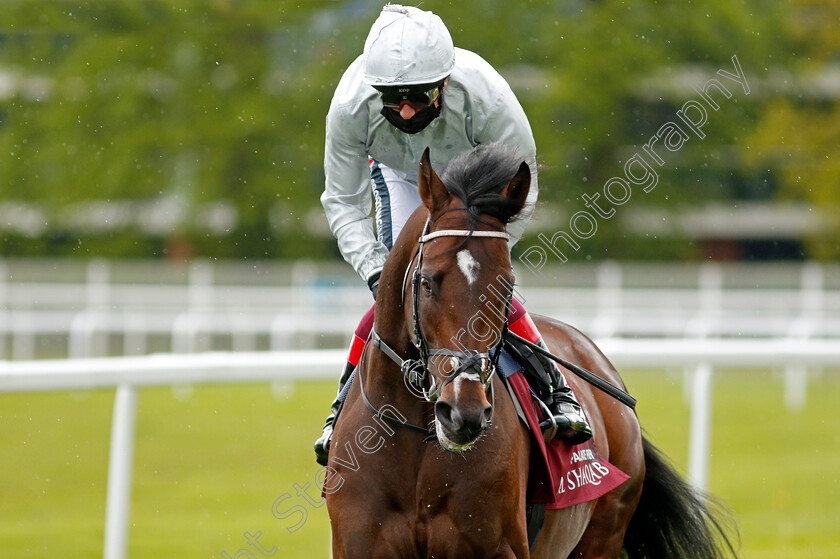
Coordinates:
[701,426]
[120,462]
[811,305]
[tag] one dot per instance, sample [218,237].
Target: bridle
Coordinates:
[484,364]
[416,371]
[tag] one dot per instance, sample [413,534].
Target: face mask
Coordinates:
[415,124]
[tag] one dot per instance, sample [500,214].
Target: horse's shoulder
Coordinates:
[567,329]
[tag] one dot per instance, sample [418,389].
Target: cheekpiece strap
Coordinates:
[412,369]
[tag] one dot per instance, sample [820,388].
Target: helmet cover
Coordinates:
[407,46]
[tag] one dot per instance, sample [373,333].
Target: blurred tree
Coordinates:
[597,79]
[196,106]
[179,103]
[799,132]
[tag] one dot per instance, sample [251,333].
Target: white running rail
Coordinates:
[126,374]
[108,308]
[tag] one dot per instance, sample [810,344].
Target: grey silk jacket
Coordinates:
[478,107]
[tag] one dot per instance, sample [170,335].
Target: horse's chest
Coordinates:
[458,519]
[448,536]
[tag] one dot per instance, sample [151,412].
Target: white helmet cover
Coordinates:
[407,46]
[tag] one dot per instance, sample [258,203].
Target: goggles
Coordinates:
[419,96]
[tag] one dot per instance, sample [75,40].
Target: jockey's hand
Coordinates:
[373,283]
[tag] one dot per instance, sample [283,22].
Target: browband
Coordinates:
[449,233]
[464,233]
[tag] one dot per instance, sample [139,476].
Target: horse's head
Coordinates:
[459,284]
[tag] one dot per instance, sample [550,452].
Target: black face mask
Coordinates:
[415,124]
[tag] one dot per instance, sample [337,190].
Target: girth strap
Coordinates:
[534,519]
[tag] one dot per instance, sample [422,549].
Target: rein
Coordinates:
[593,379]
[430,434]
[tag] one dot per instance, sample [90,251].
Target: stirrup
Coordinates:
[549,433]
[575,430]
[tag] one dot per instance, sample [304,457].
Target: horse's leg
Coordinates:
[599,533]
[604,537]
[562,529]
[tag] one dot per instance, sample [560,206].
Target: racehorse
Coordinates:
[445,475]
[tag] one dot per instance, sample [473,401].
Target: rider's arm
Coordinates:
[506,123]
[347,198]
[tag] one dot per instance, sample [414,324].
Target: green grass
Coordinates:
[779,471]
[209,464]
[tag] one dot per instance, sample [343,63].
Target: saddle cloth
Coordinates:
[561,475]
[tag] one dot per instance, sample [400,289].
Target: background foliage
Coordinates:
[201,122]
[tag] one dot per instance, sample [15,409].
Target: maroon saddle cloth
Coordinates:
[561,475]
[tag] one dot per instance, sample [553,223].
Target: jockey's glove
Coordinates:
[373,283]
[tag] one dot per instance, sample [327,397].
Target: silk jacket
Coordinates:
[478,107]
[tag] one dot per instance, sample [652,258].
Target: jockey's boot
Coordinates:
[567,420]
[322,445]
[571,424]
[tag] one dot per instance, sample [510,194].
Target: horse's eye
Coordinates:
[427,287]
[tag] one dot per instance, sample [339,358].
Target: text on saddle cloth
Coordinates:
[561,475]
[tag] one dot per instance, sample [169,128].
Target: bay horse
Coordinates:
[446,476]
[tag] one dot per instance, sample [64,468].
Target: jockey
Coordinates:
[411,89]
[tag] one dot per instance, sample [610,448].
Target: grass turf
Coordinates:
[211,461]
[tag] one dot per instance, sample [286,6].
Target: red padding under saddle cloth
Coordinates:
[563,475]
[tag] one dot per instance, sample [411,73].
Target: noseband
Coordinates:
[416,371]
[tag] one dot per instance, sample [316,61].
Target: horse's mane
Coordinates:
[477,178]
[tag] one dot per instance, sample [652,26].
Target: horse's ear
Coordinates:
[518,187]
[432,190]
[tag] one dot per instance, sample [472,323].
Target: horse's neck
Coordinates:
[389,317]
[383,378]
[389,321]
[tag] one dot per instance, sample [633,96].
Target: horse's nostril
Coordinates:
[486,416]
[448,415]
[473,424]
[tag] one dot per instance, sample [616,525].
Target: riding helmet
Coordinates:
[407,46]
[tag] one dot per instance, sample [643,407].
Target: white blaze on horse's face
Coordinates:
[469,266]
[465,376]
